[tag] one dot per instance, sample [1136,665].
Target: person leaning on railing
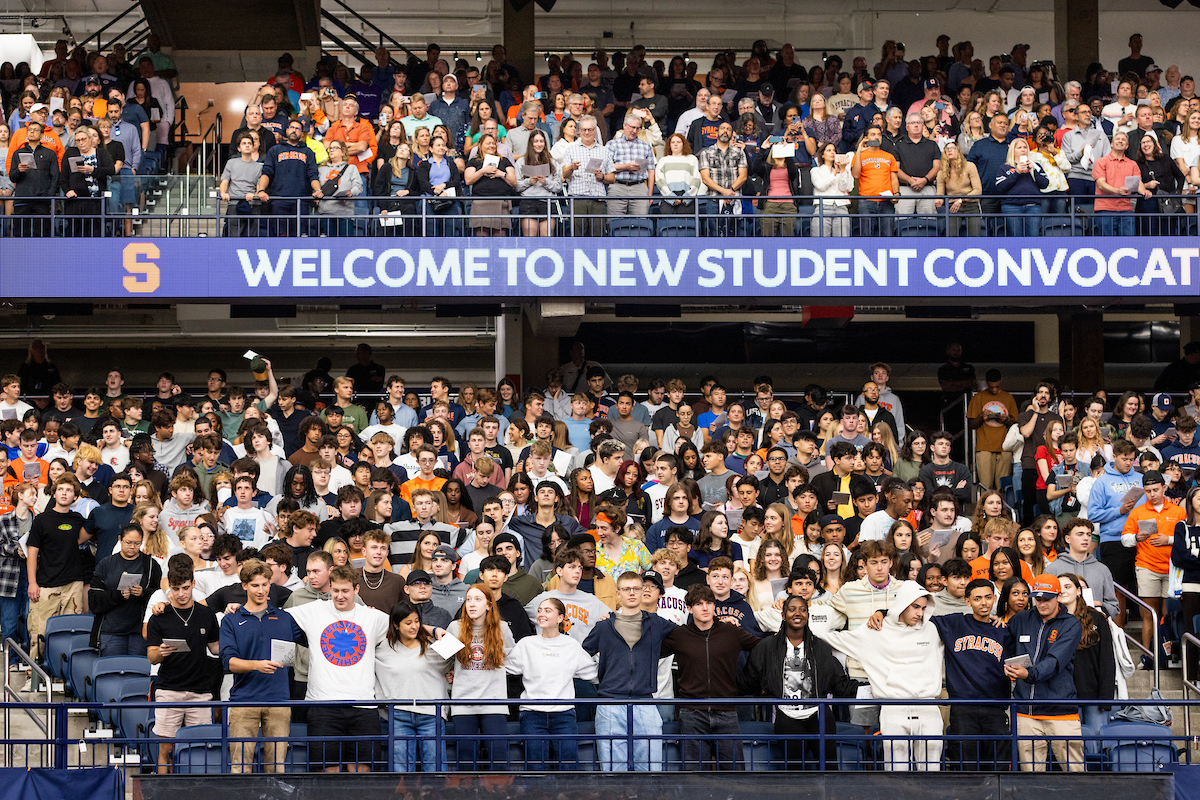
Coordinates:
[959,177]
[397,178]
[441,183]
[780,182]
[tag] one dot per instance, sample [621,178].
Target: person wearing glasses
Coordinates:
[633,165]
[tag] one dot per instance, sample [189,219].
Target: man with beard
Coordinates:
[291,172]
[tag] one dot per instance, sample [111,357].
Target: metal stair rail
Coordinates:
[364,57]
[133,36]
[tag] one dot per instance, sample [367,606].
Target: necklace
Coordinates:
[189,616]
[367,580]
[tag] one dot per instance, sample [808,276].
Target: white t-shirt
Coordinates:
[657,495]
[875,527]
[1188,151]
[601,483]
[20,408]
[249,525]
[115,457]
[672,608]
[341,664]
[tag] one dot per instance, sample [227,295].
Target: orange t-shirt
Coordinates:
[1156,558]
[877,167]
[982,567]
[360,131]
[49,139]
[16,472]
[412,484]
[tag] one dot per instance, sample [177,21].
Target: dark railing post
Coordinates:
[629,737]
[821,740]
[61,734]
[1014,757]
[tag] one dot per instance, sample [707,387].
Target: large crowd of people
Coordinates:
[758,145]
[312,538]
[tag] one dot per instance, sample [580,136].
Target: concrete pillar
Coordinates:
[1189,331]
[1076,36]
[1081,351]
[539,354]
[518,38]
[508,345]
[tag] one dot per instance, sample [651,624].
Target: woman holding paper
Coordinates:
[539,178]
[121,585]
[491,177]
[832,182]
[85,173]
[408,668]
[781,182]
[677,175]
[479,674]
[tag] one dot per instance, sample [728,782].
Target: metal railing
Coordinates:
[136,6]
[1190,684]
[625,740]
[12,695]
[417,216]
[383,37]
[1130,638]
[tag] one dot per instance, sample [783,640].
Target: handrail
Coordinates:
[965,434]
[372,26]
[1153,615]
[1189,683]
[348,48]
[11,647]
[110,23]
[124,33]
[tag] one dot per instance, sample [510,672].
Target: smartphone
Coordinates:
[307,96]
[539,95]
[940,106]
[774,140]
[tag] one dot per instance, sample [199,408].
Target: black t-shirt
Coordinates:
[916,158]
[664,418]
[57,538]
[501,454]
[234,593]
[190,671]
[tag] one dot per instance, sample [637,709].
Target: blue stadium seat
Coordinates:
[1136,746]
[1065,228]
[59,631]
[107,676]
[672,748]
[760,750]
[630,226]
[916,226]
[128,718]
[587,748]
[198,750]
[295,758]
[853,754]
[80,657]
[676,227]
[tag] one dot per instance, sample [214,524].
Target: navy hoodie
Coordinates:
[1051,646]
[736,611]
[975,653]
[292,169]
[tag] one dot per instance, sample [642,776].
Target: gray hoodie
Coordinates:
[449,596]
[1098,577]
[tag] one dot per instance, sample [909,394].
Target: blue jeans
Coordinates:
[117,644]
[875,217]
[419,731]
[536,726]
[1093,717]
[468,726]
[1115,223]
[437,225]
[13,614]
[1022,220]
[611,721]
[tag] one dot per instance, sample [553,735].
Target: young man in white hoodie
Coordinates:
[903,660]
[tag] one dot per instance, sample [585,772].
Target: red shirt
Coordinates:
[1113,170]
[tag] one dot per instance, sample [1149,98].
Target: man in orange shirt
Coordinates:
[427,459]
[39,112]
[877,173]
[1151,528]
[27,460]
[362,148]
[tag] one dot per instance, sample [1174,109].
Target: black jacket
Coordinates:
[41,180]
[690,575]
[762,169]
[455,182]
[763,674]
[77,181]
[1095,667]
[383,188]
[115,614]
[827,483]
[708,660]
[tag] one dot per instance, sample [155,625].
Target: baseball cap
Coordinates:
[1153,68]
[419,576]
[930,83]
[1044,587]
[446,551]
[655,578]
[866,85]
[1153,477]
[38,107]
[1162,400]
[450,76]
[832,519]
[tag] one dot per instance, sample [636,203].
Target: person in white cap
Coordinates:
[39,112]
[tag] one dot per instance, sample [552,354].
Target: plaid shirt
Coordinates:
[624,151]
[722,166]
[11,562]
[584,183]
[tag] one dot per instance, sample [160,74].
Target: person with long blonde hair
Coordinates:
[1091,442]
[882,434]
[479,674]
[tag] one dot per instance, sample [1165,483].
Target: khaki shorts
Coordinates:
[1151,583]
[168,721]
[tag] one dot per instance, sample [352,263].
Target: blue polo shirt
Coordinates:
[248,636]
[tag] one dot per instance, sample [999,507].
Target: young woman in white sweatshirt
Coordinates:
[549,664]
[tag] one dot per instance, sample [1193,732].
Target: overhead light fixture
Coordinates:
[478,56]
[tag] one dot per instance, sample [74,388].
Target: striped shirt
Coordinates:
[583,183]
[624,151]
